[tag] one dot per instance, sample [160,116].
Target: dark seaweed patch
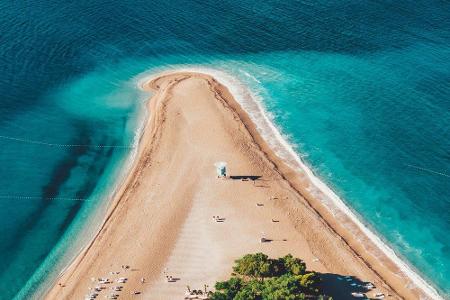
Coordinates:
[60,175]
[93,173]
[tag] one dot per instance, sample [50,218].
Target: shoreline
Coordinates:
[265,129]
[283,167]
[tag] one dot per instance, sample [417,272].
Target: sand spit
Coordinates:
[161,220]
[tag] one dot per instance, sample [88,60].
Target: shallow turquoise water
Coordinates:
[361,90]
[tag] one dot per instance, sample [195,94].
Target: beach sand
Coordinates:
[161,219]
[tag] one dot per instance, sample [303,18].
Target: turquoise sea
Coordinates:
[360,88]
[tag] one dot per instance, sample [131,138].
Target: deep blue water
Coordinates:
[361,88]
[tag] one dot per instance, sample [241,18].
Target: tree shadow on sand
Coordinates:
[342,287]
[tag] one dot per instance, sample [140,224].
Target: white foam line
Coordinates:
[265,125]
[43,198]
[60,145]
[427,170]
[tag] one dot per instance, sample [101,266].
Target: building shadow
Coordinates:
[342,287]
[245,177]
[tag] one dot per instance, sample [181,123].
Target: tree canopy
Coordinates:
[258,277]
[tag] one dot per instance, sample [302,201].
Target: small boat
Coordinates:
[358,295]
[379,296]
[369,286]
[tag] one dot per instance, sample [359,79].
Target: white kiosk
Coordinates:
[221,169]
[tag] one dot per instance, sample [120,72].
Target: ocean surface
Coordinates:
[360,88]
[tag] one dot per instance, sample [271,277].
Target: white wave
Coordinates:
[251,76]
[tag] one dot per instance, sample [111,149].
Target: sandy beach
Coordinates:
[161,219]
